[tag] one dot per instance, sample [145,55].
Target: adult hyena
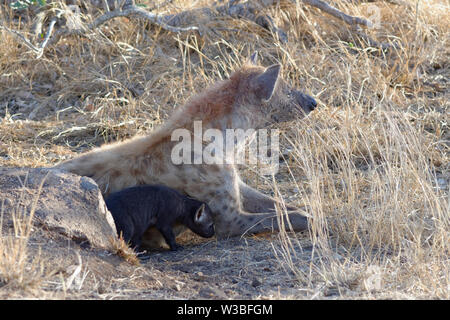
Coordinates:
[253,97]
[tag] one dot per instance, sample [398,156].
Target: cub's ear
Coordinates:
[254,58]
[266,82]
[200,213]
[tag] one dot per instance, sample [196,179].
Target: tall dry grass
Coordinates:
[375,202]
[18,268]
[371,163]
[374,171]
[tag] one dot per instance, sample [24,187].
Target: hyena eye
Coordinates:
[289,95]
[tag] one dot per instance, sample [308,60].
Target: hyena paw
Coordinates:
[176,247]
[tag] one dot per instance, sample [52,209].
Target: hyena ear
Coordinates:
[265,83]
[199,214]
[254,58]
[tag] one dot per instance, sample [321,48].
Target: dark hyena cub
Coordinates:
[136,209]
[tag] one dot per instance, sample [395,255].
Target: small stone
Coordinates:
[256,282]
[330,291]
[212,292]
[442,183]
[101,289]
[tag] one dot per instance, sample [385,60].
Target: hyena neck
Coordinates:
[187,216]
[225,105]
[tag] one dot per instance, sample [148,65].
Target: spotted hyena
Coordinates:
[253,97]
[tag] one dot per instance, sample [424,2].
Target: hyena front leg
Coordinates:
[254,201]
[231,218]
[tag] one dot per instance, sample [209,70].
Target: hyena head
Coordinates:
[277,100]
[201,221]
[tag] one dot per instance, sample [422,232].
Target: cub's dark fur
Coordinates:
[136,209]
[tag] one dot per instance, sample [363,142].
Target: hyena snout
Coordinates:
[306,102]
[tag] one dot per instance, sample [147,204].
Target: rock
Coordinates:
[212,293]
[66,204]
[256,282]
[442,183]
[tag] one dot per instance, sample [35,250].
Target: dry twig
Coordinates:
[325,7]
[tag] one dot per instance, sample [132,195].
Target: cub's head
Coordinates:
[202,222]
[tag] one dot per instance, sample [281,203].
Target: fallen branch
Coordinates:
[172,22]
[126,12]
[38,50]
[48,34]
[141,13]
[373,43]
[325,7]
[250,10]
[25,41]
[354,22]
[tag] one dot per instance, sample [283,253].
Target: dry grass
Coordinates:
[121,248]
[18,269]
[372,163]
